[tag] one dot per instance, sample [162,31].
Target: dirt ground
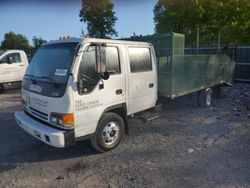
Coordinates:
[187,146]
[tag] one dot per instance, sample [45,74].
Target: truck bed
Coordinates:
[183,74]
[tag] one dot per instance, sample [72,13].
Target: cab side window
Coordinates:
[112,59]
[87,75]
[140,59]
[11,58]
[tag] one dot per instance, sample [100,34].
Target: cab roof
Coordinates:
[95,40]
[77,40]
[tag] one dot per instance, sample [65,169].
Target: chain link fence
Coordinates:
[240,54]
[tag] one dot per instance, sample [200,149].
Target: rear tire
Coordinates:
[109,133]
[205,97]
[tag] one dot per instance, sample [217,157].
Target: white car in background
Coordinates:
[13,64]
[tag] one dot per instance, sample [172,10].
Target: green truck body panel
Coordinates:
[189,73]
[180,74]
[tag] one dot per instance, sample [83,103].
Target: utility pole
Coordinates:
[219,38]
[198,41]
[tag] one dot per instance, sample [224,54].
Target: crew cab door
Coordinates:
[95,95]
[11,67]
[142,79]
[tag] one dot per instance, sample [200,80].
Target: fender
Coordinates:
[121,110]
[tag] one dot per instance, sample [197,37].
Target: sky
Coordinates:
[51,19]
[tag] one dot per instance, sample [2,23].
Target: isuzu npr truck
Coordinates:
[76,89]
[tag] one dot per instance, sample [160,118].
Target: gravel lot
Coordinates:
[187,146]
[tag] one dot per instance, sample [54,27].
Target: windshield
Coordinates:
[1,52]
[52,62]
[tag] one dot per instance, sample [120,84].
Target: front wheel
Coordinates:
[205,97]
[109,133]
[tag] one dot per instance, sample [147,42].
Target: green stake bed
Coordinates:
[180,74]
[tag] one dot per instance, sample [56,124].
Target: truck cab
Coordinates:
[78,89]
[13,64]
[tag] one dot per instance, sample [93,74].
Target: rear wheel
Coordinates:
[109,133]
[205,97]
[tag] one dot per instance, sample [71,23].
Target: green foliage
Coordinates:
[15,41]
[231,18]
[100,18]
[38,42]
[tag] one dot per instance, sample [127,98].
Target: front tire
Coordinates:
[109,133]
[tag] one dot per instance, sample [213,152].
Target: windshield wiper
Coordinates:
[32,77]
[56,85]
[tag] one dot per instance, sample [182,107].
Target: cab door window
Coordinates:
[140,59]
[87,75]
[112,59]
[11,58]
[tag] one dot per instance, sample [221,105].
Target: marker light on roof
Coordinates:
[64,38]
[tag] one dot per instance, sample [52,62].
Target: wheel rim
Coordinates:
[110,133]
[208,98]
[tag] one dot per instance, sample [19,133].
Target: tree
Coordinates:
[100,18]
[231,18]
[37,42]
[15,41]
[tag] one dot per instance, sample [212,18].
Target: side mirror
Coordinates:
[105,75]
[101,65]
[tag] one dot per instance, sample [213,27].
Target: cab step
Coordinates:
[149,116]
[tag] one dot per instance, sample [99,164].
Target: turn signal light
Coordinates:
[63,120]
[68,119]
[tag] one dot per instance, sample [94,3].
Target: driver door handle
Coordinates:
[151,85]
[118,91]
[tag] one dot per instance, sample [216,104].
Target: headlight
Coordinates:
[63,120]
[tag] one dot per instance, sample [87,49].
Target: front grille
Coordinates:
[39,114]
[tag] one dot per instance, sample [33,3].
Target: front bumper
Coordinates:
[51,136]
